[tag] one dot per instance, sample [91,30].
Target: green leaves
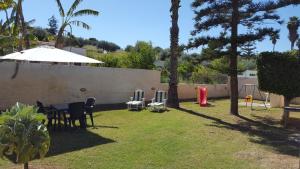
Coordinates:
[293,26]
[211,14]
[23,134]
[86,12]
[279,73]
[60,8]
[73,7]
[80,24]
[68,19]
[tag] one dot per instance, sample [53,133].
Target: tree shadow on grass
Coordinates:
[103,126]
[65,142]
[281,140]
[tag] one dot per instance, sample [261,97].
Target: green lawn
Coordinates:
[190,138]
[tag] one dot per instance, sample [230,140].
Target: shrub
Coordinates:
[22,134]
[204,75]
[279,73]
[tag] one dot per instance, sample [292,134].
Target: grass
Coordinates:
[191,138]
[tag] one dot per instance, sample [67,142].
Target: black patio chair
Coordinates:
[89,109]
[76,111]
[50,112]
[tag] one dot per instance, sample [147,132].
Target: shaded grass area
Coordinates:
[190,137]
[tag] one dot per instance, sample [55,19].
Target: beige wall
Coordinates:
[188,91]
[278,101]
[275,100]
[243,93]
[53,84]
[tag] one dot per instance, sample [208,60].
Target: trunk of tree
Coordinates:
[16,26]
[286,114]
[26,166]
[274,48]
[59,40]
[25,34]
[174,31]
[233,59]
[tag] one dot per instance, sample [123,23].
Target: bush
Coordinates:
[142,56]
[22,134]
[113,59]
[40,33]
[279,73]
[204,75]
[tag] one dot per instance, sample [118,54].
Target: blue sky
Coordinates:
[127,21]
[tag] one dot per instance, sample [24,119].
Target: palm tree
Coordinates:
[174,31]
[23,134]
[6,26]
[274,39]
[293,26]
[68,19]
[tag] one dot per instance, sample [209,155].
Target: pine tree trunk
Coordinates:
[233,59]
[174,31]
[292,45]
[286,114]
[26,166]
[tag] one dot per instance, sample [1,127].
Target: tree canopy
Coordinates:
[230,16]
[53,25]
[293,26]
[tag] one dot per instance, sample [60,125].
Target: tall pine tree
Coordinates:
[174,37]
[248,49]
[53,26]
[230,15]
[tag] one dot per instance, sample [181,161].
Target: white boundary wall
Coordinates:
[249,90]
[275,100]
[189,91]
[56,84]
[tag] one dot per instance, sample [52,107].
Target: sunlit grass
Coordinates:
[192,137]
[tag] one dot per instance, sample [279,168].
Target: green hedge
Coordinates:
[279,73]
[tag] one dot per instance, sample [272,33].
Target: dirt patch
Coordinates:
[270,160]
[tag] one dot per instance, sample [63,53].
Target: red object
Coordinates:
[203,96]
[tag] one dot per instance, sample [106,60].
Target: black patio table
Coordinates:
[62,109]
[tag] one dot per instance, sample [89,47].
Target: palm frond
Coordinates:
[7,23]
[60,8]
[73,7]
[5,4]
[86,12]
[13,12]
[30,22]
[80,24]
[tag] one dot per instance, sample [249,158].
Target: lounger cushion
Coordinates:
[135,102]
[155,104]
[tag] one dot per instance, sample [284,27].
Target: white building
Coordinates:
[249,74]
